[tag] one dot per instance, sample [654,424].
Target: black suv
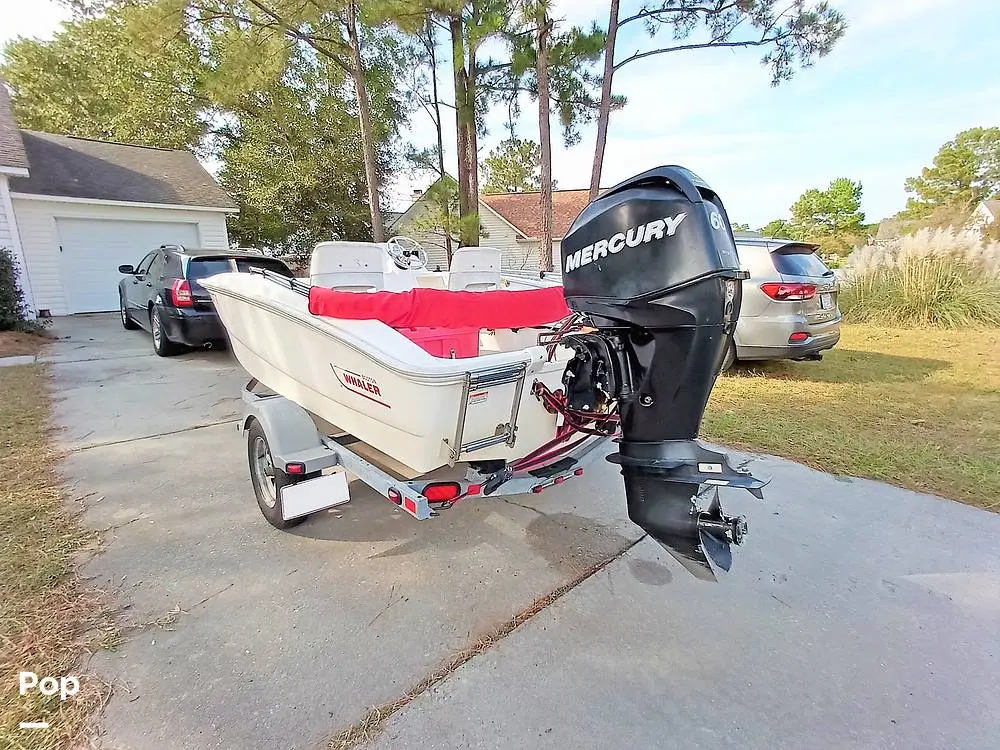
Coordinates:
[162,294]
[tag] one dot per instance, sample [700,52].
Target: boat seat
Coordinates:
[348,266]
[474,269]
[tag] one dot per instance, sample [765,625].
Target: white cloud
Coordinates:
[581,12]
[866,15]
[30,18]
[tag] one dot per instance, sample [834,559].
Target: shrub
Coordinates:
[936,277]
[14,314]
[833,260]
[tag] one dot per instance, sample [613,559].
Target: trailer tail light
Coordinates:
[578,472]
[295,468]
[180,293]
[437,492]
[395,495]
[788,292]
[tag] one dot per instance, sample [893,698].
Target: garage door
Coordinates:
[92,250]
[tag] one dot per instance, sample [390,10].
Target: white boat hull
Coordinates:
[371,382]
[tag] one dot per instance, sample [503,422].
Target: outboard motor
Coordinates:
[653,265]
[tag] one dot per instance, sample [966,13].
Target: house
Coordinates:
[889,230]
[986,213]
[510,222]
[73,209]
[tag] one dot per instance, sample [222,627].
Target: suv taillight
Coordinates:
[180,293]
[788,292]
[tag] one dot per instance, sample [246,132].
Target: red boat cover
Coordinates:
[420,308]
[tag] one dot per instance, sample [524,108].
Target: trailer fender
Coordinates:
[290,431]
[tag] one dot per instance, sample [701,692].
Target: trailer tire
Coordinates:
[268,480]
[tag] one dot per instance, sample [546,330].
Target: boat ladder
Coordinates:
[488,378]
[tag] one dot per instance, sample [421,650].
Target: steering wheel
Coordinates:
[406,253]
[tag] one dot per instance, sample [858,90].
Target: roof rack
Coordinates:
[223,251]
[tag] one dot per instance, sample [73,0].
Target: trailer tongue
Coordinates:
[652,263]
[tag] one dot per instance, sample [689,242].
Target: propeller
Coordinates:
[700,540]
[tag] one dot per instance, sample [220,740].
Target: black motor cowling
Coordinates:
[653,264]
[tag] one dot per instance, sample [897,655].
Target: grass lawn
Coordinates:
[917,408]
[16,344]
[48,620]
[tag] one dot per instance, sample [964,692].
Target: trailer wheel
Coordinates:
[268,480]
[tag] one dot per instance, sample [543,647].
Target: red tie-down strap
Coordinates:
[438,308]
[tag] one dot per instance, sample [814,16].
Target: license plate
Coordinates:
[303,498]
[826,301]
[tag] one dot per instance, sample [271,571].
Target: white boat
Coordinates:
[475,365]
[380,384]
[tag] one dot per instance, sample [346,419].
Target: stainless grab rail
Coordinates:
[296,285]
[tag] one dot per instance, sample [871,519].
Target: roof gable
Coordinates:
[402,217]
[66,166]
[889,229]
[12,152]
[524,210]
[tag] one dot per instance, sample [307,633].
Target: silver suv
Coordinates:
[789,306]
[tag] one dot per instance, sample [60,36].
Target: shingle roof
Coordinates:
[523,210]
[11,146]
[82,168]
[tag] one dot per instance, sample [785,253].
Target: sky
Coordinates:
[907,77]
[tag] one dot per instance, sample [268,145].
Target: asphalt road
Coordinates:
[857,615]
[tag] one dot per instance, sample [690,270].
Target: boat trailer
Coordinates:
[297,466]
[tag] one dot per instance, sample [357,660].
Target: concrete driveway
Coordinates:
[858,615]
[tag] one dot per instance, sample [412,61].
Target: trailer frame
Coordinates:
[301,451]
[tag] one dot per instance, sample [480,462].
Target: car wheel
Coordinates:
[729,357]
[163,346]
[127,323]
[268,480]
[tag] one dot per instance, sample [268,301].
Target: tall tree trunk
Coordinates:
[472,142]
[365,121]
[545,135]
[466,195]
[469,208]
[605,109]
[445,197]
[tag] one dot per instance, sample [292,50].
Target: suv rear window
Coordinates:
[799,261]
[202,268]
[268,264]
